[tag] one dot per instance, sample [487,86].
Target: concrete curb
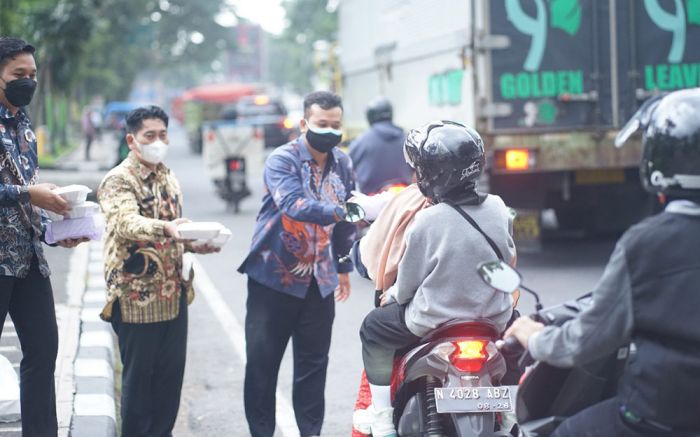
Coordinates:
[69,325]
[94,413]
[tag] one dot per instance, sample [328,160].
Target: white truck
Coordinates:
[546,82]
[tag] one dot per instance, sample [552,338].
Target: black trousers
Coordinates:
[604,419]
[383,332]
[273,318]
[30,304]
[153,355]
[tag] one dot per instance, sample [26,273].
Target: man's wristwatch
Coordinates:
[24,196]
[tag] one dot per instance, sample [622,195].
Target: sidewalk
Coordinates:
[93,412]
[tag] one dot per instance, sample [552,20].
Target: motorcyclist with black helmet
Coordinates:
[376,155]
[649,293]
[433,285]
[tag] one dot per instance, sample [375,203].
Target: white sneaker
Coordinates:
[376,423]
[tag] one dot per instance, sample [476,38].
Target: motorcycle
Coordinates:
[234,187]
[226,143]
[449,384]
[547,395]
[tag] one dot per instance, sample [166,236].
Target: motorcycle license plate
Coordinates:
[474,399]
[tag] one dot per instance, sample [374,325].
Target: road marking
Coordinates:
[9,333]
[10,430]
[8,348]
[234,331]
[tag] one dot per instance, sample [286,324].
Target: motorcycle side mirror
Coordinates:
[500,276]
[354,212]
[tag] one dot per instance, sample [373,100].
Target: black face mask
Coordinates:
[323,142]
[19,92]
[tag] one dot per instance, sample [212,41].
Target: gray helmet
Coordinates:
[671,138]
[379,109]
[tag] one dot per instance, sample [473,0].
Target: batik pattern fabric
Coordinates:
[143,267]
[299,233]
[21,224]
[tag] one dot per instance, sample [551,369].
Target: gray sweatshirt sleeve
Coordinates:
[416,264]
[599,329]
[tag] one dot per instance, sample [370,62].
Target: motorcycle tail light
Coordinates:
[234,165]
[469,355]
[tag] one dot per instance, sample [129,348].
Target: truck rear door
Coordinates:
[554,72]
[659,50]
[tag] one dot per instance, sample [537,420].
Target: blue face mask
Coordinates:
[322,139]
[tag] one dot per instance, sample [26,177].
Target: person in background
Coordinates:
[89,130]
[25,287]
[294,267]
[147,296]
[377,155]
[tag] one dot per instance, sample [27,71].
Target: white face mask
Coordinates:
[153,153]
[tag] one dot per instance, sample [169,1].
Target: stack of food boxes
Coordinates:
[82,221]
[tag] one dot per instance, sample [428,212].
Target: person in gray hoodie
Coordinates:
[377,155]
[437,279]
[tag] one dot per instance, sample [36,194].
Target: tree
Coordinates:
[292,53]
[98,47]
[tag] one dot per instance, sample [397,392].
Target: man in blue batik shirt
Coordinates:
[293,267]
[25,288]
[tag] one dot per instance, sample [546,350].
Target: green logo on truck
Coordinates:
[675,74]
[533,83]
[565,15]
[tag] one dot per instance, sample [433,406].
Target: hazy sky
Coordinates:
[268,13]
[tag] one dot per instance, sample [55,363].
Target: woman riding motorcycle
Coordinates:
[430,288]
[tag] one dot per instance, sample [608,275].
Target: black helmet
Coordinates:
[671,137]
[379,109]
[448,158]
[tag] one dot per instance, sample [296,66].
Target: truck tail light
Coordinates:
[517,159]
[469,355]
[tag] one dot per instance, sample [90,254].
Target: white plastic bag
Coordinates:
[9,392]
[91,227]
